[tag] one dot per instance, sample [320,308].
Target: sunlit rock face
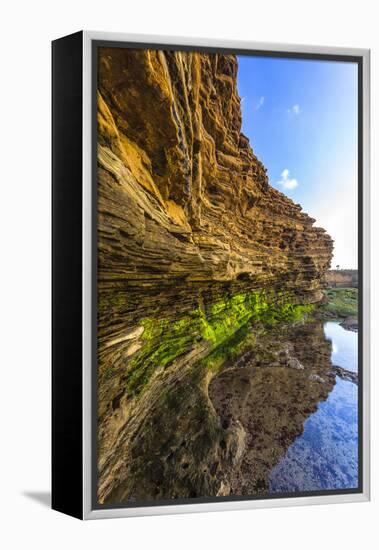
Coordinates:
[181,193]
[193,243]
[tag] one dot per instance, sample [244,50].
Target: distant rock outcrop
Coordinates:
[342,278]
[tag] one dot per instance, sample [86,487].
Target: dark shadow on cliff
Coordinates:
[41,497]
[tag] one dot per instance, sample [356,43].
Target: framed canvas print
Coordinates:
[210,275]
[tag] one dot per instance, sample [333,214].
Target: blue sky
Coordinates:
[301,119]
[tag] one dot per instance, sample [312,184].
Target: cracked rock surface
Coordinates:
[193,245]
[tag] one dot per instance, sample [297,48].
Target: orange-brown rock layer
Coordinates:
[181,193]
[189,229]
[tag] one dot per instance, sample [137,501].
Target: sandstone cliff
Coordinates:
[181,193]
[192,240]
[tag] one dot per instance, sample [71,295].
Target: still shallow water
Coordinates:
[344,344]
[325,455]
[262,413]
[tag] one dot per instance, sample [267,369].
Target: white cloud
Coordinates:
[286,182]
[295,109]
[260,102]
[338,215]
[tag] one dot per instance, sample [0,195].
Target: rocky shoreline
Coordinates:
[198,257]
[350,323]
[341,305]
[345,374]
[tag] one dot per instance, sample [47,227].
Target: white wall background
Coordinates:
[26,30]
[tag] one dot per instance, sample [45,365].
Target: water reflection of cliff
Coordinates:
[213,425]
[193,245]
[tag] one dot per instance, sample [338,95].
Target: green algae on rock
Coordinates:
[200,263]
[163,340]
[341,302]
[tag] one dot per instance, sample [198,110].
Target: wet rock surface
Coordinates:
[199,259]
[350,323]
[207,427]
[345,374]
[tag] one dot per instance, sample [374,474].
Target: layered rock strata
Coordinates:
[181,193]
[204,431]
[193,242]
